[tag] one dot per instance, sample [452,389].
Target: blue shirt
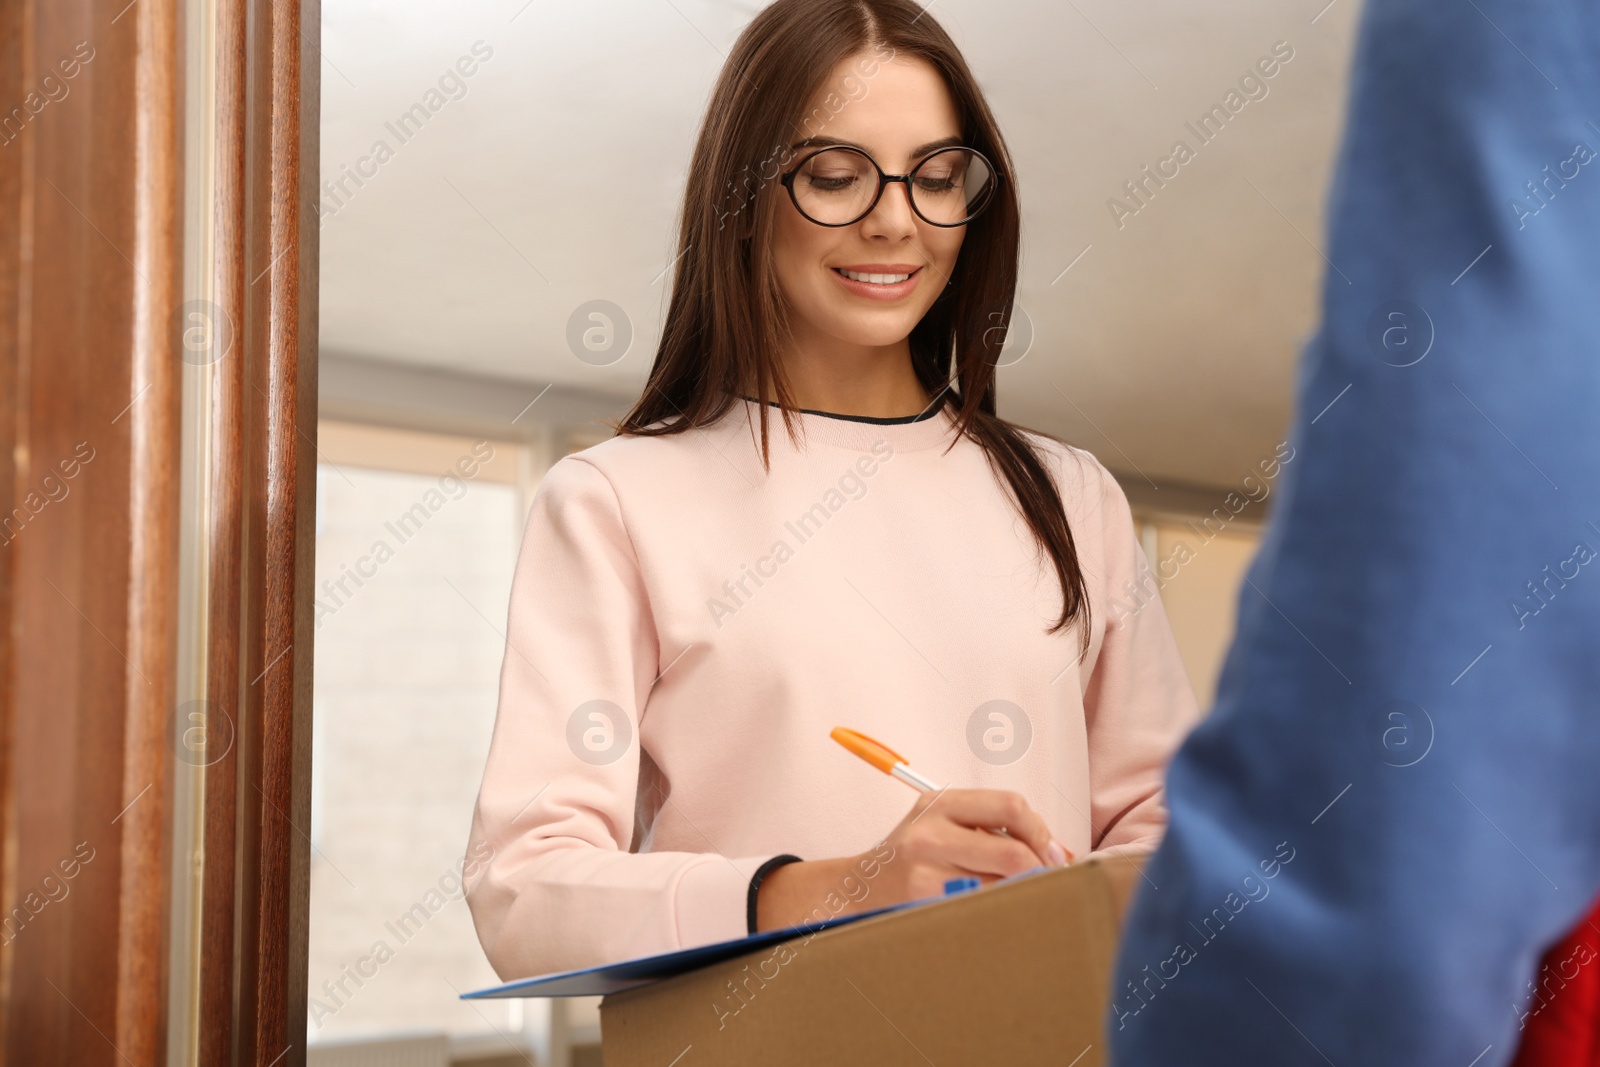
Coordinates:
[1394,807]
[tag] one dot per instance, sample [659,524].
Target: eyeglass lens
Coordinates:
[836,185]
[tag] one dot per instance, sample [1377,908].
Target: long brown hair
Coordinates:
[725,322]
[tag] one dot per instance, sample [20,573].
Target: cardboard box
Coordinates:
[1016,973]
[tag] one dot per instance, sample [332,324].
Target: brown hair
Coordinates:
[725,322]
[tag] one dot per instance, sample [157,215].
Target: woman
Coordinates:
[699,601]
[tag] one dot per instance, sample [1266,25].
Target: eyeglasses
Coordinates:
[839,186]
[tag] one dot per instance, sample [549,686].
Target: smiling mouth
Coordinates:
[875,279]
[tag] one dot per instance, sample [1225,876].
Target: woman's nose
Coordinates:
[893,209]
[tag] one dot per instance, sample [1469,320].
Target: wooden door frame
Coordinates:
[98,342]
[255,901]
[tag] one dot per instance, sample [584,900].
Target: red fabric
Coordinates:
[1560,1010]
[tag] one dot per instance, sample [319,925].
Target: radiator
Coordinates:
[427,1050]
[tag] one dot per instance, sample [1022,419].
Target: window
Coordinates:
[417,536]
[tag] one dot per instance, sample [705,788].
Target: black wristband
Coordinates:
[755,885]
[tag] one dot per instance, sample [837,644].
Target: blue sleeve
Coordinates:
[1394,807]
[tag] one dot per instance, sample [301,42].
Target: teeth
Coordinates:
[875,279]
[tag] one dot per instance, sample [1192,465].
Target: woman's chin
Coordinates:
[872,330]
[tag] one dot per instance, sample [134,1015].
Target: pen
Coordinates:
[882,757]
[893,764]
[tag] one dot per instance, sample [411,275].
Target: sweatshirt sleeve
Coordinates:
[1139,703]
[552,884]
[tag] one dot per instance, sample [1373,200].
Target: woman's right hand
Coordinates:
[945,835]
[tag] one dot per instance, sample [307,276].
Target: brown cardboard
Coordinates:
[1013,974]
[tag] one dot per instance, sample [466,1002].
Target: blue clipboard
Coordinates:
[615,977]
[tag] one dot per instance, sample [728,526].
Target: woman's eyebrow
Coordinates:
[834,142]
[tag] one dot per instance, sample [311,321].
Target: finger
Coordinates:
[980,852]
[997,809]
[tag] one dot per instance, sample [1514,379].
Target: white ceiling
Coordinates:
[555,180]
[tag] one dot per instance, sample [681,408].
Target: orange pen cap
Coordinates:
[874,752]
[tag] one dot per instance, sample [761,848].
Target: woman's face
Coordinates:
[892,111]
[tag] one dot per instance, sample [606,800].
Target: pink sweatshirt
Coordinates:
[685,629]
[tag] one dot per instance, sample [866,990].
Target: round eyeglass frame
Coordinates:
[787,180]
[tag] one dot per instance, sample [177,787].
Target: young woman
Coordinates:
[698,602]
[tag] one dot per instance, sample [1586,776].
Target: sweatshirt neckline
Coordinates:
[858,432]
[875,420]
